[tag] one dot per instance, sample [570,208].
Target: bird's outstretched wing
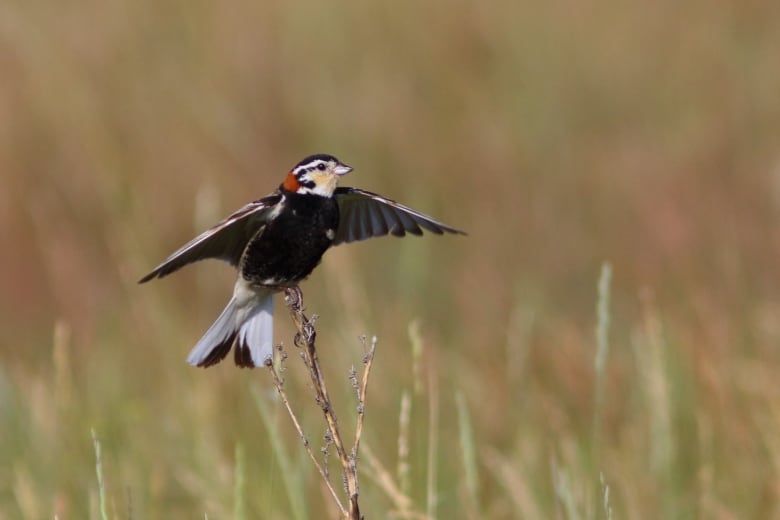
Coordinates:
[364,215]
[225,241]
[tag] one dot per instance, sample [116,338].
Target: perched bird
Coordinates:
[275,242]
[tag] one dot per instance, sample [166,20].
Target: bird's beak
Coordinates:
[342,169]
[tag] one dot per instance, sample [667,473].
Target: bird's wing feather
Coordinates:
[363,215]
[225,241]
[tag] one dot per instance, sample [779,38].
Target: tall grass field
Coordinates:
[604,344]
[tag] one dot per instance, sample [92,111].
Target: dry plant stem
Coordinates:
[368,361]
[305,340]
[279,384]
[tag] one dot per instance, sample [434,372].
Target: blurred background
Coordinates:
[560,135]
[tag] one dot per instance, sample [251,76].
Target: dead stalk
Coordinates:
[305,340]
[279,384]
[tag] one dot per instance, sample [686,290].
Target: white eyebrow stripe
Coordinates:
[308,166]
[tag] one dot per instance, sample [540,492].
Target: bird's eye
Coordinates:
[321,167]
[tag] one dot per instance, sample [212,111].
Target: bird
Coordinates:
[276,242]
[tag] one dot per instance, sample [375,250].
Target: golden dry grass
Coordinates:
[559,134]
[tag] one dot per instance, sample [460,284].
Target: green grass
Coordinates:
[559,135]
[99,473]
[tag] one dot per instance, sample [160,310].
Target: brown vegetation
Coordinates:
[559,135]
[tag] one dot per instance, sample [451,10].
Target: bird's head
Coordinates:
[317,174]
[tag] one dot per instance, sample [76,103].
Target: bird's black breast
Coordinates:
[289,246]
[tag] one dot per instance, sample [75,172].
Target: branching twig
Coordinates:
[279,384]
[368,360]
[305,340]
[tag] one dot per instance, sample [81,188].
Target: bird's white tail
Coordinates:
[248,322]
[255,342]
